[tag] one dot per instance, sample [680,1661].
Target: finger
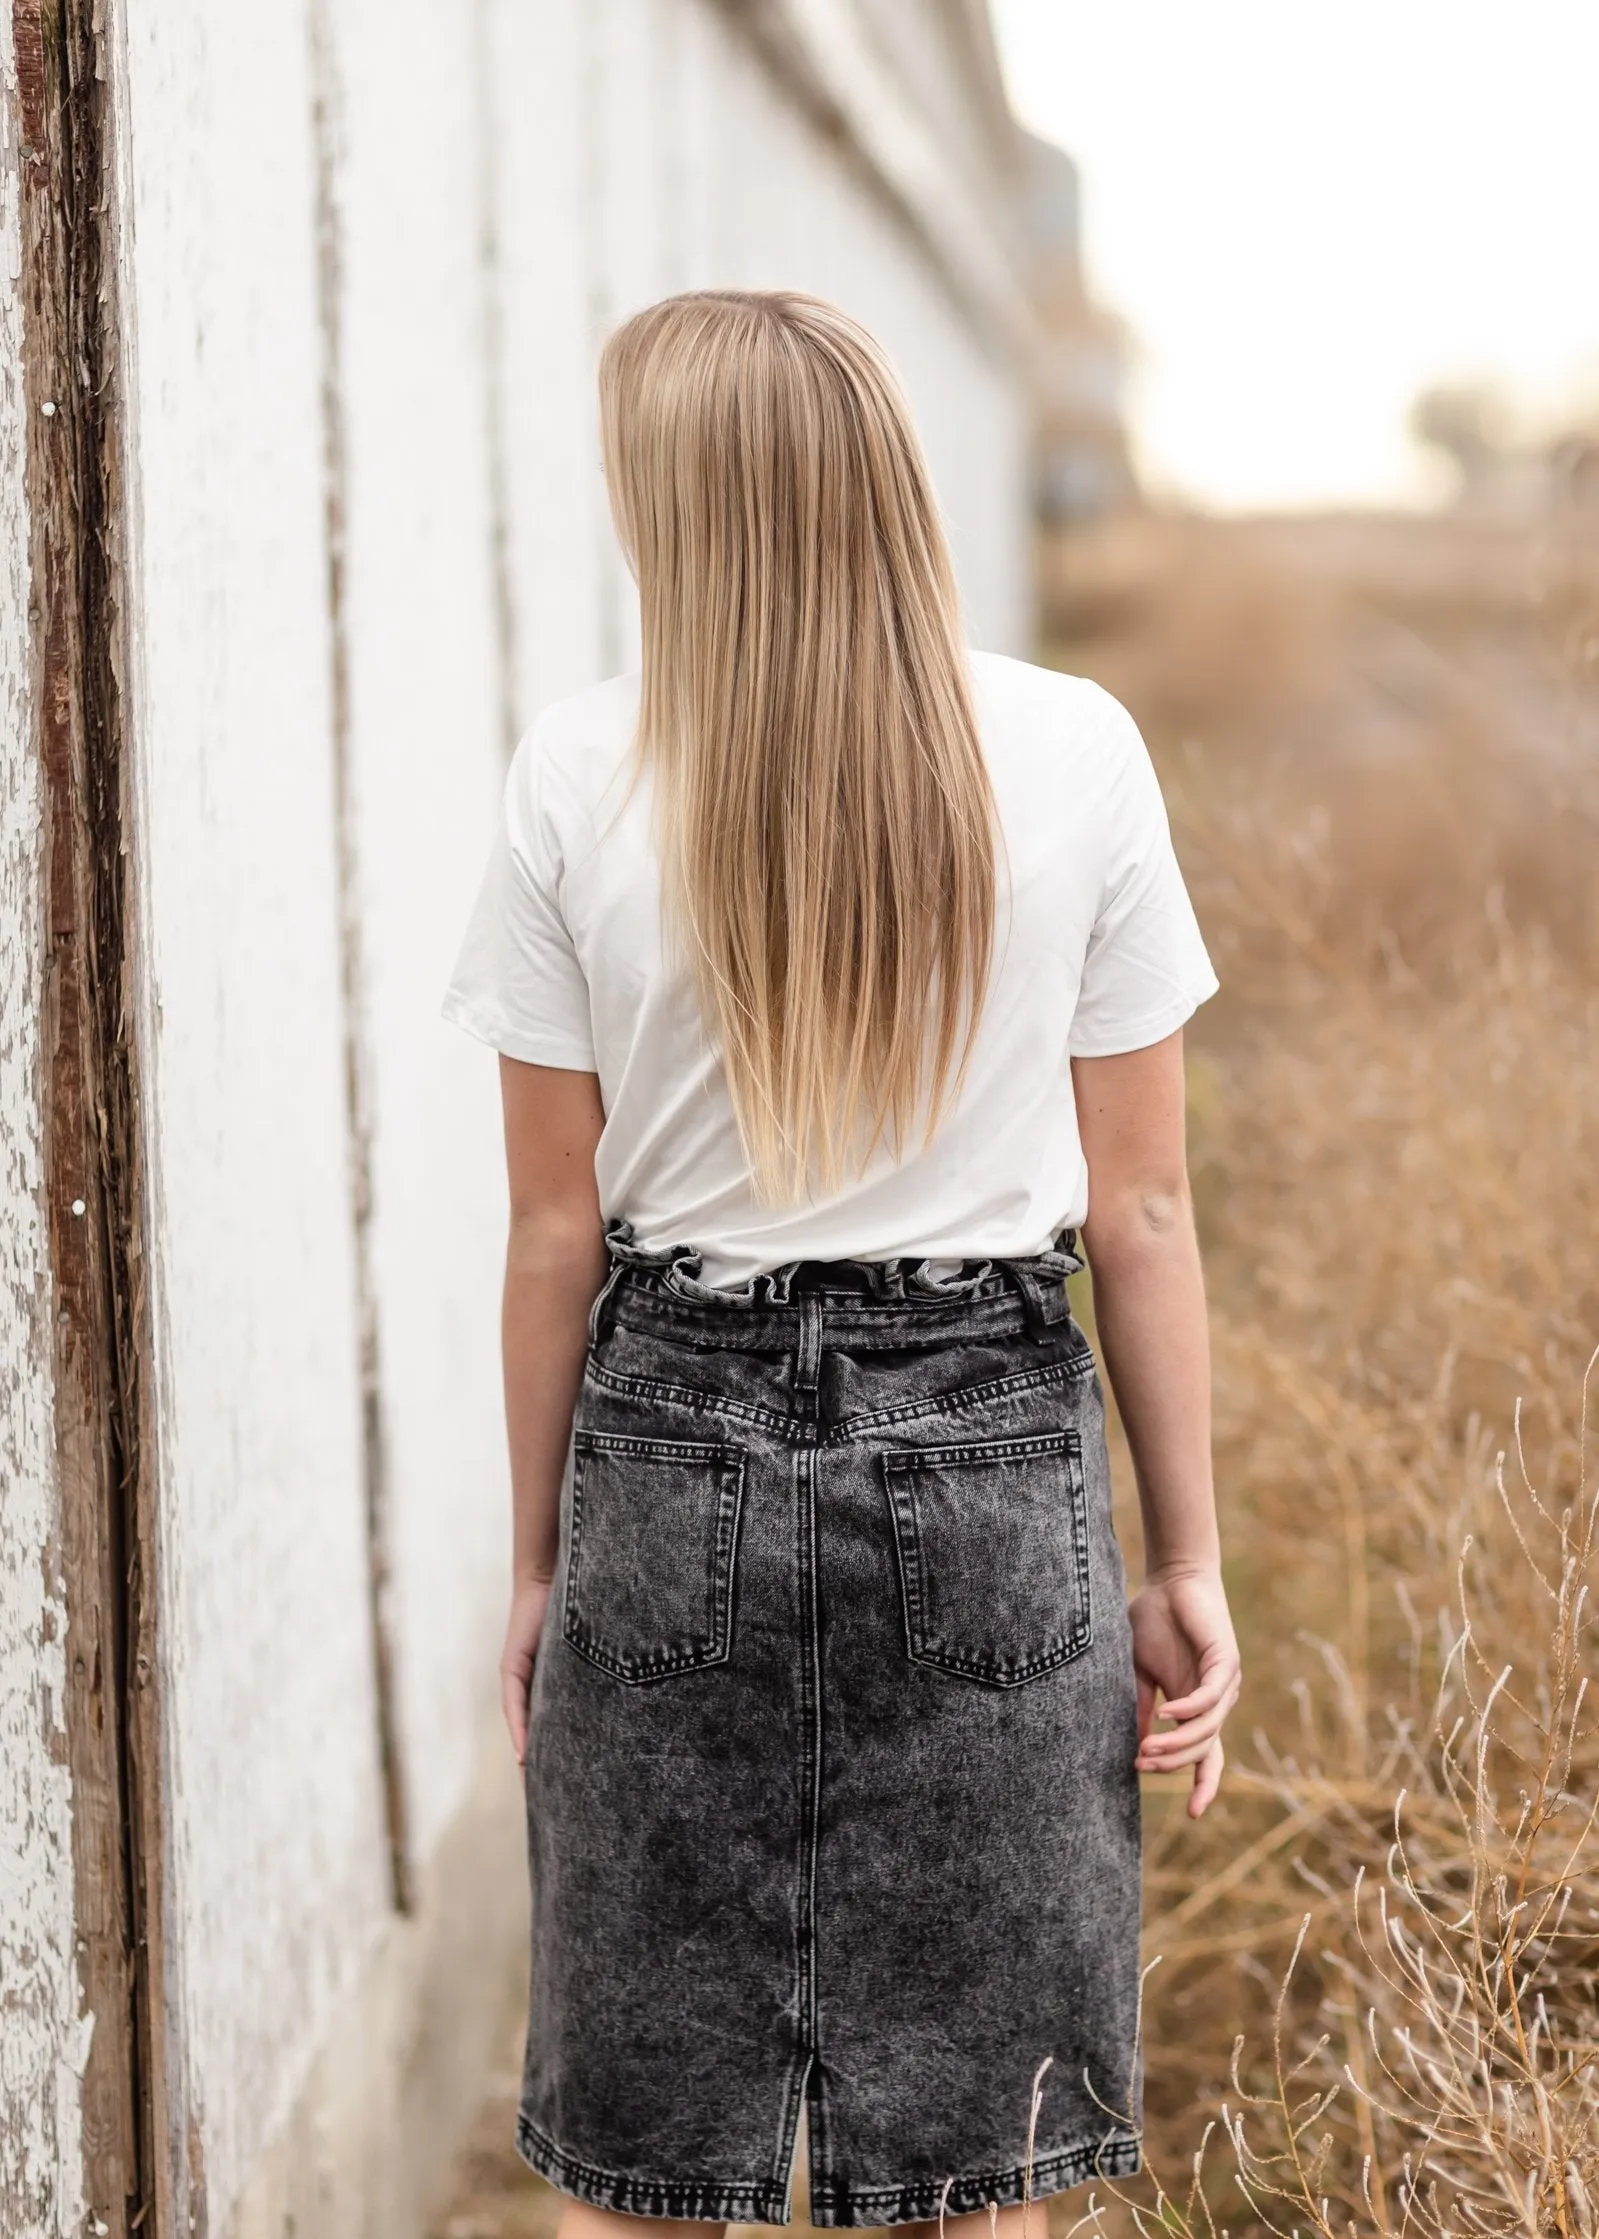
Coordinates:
[513,1701]
[1192,1730]
[1165,1752]
[1207,1779]
[1146,1705]
[1182,1749]
[1210,1690]
[1174,1760]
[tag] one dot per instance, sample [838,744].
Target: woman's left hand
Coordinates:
[1186,1656]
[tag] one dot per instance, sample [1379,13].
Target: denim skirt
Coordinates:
[830,1788]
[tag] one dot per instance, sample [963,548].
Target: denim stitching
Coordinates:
[628,1442]
[986,1449]
[854,1426]
[969,2195]
[908,1541]
[913,1563]
[1080,1534]
[702,1402]
[639,1671]
[799,2069]
[818,2136]
[689,2198]
[811,1742]
[966,1395]
[859,1324]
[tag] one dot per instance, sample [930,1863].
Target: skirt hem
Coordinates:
[686,2200]
[846,2207]
[833,2206]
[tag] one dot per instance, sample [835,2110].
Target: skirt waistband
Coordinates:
[907,1295]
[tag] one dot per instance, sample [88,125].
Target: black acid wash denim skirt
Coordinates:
[830,1786]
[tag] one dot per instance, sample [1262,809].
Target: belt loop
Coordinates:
[1035,1310]
[602,1299]
[808,1355]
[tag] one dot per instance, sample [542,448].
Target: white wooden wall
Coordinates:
[42,2031]
[507,179]
[641,148]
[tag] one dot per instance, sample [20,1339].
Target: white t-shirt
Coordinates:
[1097,952]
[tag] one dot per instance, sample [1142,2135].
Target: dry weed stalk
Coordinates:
[1388,1937]
[1469,1966]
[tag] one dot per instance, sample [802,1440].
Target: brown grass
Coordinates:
[1376,1978]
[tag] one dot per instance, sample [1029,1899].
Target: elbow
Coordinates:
[1157,1214]
[1139,1222]
[553,1241]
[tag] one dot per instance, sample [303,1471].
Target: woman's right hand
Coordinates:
[1186,1657]
[529,1601]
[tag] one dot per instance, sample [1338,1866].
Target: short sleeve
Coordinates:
[517,983]
[1146,970]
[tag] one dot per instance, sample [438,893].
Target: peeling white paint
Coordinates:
[637,146]
[275,1877]
[426,763]
[43,2034]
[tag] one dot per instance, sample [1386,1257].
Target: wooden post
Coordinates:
[94,1168]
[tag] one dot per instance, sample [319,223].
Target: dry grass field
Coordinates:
[1374,1989]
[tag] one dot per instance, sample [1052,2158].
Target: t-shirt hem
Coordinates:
[528,1049]
[1146,1031]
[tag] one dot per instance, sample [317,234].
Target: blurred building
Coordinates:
[303,519]
[1081,466]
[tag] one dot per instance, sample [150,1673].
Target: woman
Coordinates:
[827,964]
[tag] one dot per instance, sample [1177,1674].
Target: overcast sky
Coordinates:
[1308,211]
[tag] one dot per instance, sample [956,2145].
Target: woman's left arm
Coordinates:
[554,1265]
[1149,1305]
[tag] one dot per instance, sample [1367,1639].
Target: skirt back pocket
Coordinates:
[993,1555]
[654,1537]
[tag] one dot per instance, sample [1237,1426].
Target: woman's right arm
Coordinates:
[554,1265]
[1149,1309]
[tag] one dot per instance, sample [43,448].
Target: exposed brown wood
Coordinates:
[94,1169]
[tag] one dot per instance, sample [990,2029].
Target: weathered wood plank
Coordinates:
[91,1133]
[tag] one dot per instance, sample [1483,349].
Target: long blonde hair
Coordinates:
[828,834]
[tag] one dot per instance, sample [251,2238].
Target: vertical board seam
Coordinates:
[491,280]
[593,28]
[326,121]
